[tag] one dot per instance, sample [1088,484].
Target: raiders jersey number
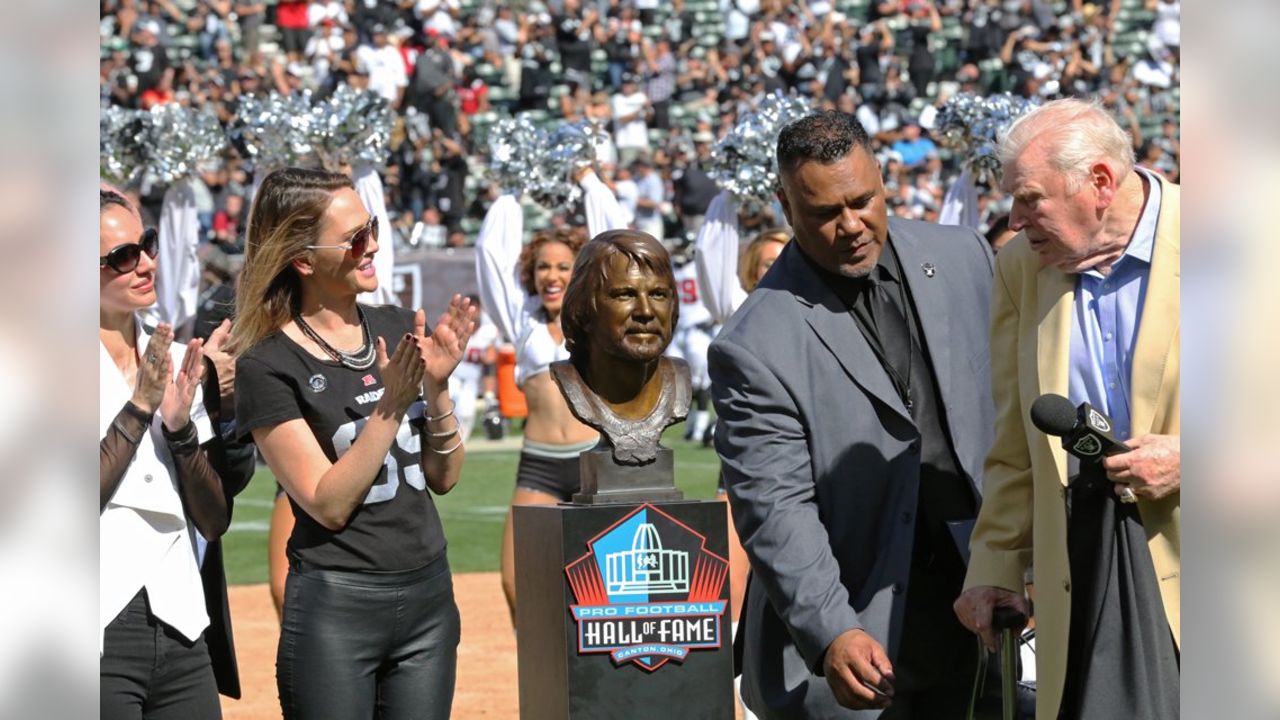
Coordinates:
[409,442]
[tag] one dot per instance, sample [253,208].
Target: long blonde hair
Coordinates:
[750,262]
[286,216]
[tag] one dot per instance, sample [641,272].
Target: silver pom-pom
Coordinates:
[122,149]
[163,145]
[744,161]
[515,149]
[417,126]
[971,125]
[349,127]
[266,129]
[570,148]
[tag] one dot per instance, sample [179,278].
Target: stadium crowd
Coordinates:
[665,79]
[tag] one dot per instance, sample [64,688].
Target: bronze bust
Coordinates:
[620,309]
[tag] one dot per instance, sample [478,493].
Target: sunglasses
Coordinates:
[124,258]
[359,241]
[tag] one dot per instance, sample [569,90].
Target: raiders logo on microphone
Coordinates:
[1099,421]
[1088,446]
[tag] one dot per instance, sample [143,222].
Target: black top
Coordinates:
[397,526]
[694,190]
[868,58]
[575,49]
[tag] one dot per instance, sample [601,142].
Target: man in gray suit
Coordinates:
[854,416]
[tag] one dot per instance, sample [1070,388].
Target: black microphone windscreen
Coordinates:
[1053,415]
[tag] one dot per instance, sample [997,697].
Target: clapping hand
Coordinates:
[224,365]
[175,409]
[401,373]
[154,370]
[443,349]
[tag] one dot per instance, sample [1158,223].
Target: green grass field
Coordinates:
[472,514]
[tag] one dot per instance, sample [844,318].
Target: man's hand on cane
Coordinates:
[975,606]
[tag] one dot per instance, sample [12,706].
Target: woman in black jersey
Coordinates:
[356,433]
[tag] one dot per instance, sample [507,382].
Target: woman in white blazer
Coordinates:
[159,495]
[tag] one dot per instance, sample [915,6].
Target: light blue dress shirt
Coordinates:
[1104,321]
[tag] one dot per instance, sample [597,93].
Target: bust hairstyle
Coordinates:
[823,137]
[590,272]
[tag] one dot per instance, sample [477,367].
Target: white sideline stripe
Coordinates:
[484,511]
[249,526]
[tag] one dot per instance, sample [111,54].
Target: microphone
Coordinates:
[1085,432]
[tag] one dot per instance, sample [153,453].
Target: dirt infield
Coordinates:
[487,681]
[486,660]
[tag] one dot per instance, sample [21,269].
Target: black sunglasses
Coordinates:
[124,258]
[359,241]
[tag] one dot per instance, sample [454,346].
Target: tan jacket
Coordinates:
[1022,518]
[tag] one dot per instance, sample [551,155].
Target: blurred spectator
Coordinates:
[925,21]
[438,16]
[575,33]
[678,28]
[623,46]
[1157,68]
[473,95]
[249,15]
[660,81]
[324,48]
[535,64]
[1168,25]
[651,197]
[874,46]
[384,66]
[148,62]
[292,17]
[999,233]
[693,188]
[913,149]
[429,231]
[630,120]
[434,82]
[450,178]
[627,191]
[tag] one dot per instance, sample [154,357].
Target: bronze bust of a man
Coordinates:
[620,309]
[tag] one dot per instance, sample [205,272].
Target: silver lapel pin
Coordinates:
[929,269]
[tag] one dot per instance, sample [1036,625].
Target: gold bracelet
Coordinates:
[446,452]
[445,434]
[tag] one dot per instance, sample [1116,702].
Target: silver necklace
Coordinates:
[361,359]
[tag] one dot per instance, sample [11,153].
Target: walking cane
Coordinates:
[1009,623]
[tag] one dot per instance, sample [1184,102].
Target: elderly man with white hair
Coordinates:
[1085,305]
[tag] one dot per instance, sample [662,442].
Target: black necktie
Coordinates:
[895,337]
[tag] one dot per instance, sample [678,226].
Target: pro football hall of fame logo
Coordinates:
[648,591]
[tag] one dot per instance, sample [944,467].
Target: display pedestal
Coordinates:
[623,610]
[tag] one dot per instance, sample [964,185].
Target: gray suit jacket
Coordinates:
[819,457]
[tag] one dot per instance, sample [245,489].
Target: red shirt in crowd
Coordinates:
[154,96]
[469,96]
[292,14]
